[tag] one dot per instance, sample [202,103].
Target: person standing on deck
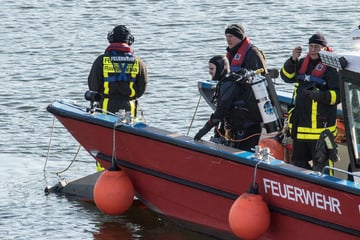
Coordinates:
[245,56]
[240,52]
[118,74]
[315,98]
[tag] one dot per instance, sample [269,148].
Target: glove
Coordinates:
[206,128]
[313,94]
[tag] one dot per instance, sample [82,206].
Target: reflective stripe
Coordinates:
[132,108]
[316,130]
[312,134]
[132,90]
[307,136]
[313,114]
[296,85]
[105,104]
[134,73]
[99,167]
[331,164]
[288,75]
[332,97]
[107,67]
[106,87]
[135,69]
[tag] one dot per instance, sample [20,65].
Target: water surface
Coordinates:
[46,51]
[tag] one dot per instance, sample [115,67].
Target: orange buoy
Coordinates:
[276,148]
[113,192]
[249,216]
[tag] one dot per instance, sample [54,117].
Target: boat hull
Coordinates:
[197,183]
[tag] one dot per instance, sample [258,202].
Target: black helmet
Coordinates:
[121,34]
[222,66]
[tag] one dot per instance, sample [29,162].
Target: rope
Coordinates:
[114,146]
[48,152]
[248,137]
[255,171]
[192,120]
[78,150]
[72,161]
[47,155]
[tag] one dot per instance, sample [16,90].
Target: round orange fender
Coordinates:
[249,216]
[113,192]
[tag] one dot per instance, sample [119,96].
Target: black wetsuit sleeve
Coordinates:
[141,79]
[95,78]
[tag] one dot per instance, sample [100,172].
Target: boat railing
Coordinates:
[326,169]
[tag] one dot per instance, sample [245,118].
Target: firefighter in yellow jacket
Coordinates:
[118,74]
[315,98]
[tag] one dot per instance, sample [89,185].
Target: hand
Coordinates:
[313,94]
[296,53]
[200,134]
[207,127]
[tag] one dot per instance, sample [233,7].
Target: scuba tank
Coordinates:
[269,114]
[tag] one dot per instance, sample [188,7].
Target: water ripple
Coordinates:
[46,51]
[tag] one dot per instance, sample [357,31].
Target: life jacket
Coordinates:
[120,68]
[120,47]
[238,59]
[316,74]
[119,65]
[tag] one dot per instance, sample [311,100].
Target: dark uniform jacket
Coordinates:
[312,115]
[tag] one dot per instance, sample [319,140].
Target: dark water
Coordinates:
[46,51]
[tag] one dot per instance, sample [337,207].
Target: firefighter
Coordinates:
[315,99]
[118,74]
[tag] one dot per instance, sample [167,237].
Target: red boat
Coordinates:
[196,183]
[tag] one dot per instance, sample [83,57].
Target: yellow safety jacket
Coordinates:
[120,68]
